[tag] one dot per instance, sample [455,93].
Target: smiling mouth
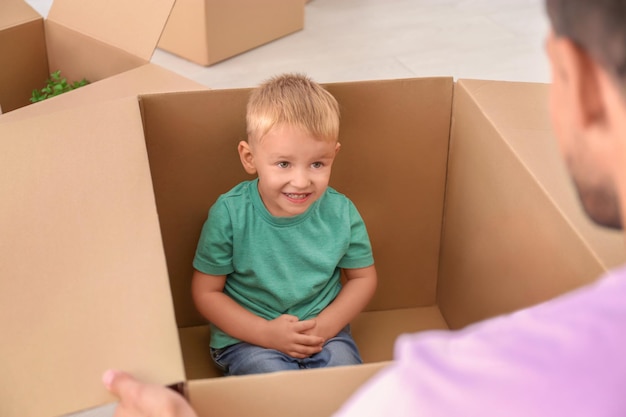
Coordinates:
[297,196]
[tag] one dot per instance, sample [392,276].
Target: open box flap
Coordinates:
[530,136]
[133,26]
[149,78]
[85,285]
[15,12]
[511,237]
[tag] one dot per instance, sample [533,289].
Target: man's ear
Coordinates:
[246,157]
[582,77]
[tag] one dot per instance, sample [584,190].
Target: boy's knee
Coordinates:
[342,354]
[262,361]
[342,350]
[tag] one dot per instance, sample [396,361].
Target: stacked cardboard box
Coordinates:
[209,31]
[468,206]
[97,40]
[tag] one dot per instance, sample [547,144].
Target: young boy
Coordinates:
[270,256]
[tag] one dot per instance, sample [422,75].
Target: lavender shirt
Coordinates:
[565,357]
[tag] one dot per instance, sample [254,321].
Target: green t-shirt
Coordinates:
[280,265]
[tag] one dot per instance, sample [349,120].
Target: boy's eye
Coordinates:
[283,164]
[317,164]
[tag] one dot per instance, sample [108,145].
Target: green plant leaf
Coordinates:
[56,85]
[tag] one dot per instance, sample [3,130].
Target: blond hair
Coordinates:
[294,100]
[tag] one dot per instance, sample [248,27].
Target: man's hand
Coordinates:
[138,399]
[289,335]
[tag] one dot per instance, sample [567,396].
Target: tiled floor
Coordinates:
[346,40]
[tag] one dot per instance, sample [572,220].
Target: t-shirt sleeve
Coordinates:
[359,253]
[214,254]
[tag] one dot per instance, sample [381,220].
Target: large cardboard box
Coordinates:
[209,31]
[468,206]
[149,78]
[93,39]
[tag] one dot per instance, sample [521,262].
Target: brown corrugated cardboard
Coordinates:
[414,115]
[92,40]
[514,232]
[26,60]
[149,78]
[209,31]
[84,283]
[284,394]
[134,27]
[457,196]
[528,134]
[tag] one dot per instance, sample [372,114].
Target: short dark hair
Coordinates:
[597,26]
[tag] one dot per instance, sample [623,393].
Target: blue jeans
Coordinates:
[244,358]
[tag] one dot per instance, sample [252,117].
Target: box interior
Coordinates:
[514,232]
[449,229]
[200,148]
[28,57]
[144,79]
[79,56]
[92,40]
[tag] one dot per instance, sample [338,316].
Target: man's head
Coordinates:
[587,52]
[293,126]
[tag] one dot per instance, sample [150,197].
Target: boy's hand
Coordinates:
[289,335]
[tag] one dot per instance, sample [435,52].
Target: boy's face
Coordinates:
[293,168]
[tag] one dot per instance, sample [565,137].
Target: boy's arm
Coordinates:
[284,333]
[351,300]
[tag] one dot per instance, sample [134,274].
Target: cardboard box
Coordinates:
[149,78]
[468,206]
[84,39]
[209,31]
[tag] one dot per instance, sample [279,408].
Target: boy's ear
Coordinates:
[337,147]
[246,157]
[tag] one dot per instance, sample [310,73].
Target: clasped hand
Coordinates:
[296,338]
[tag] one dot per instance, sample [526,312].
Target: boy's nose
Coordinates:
[300,179]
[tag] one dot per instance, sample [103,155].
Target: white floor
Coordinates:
[345,40]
